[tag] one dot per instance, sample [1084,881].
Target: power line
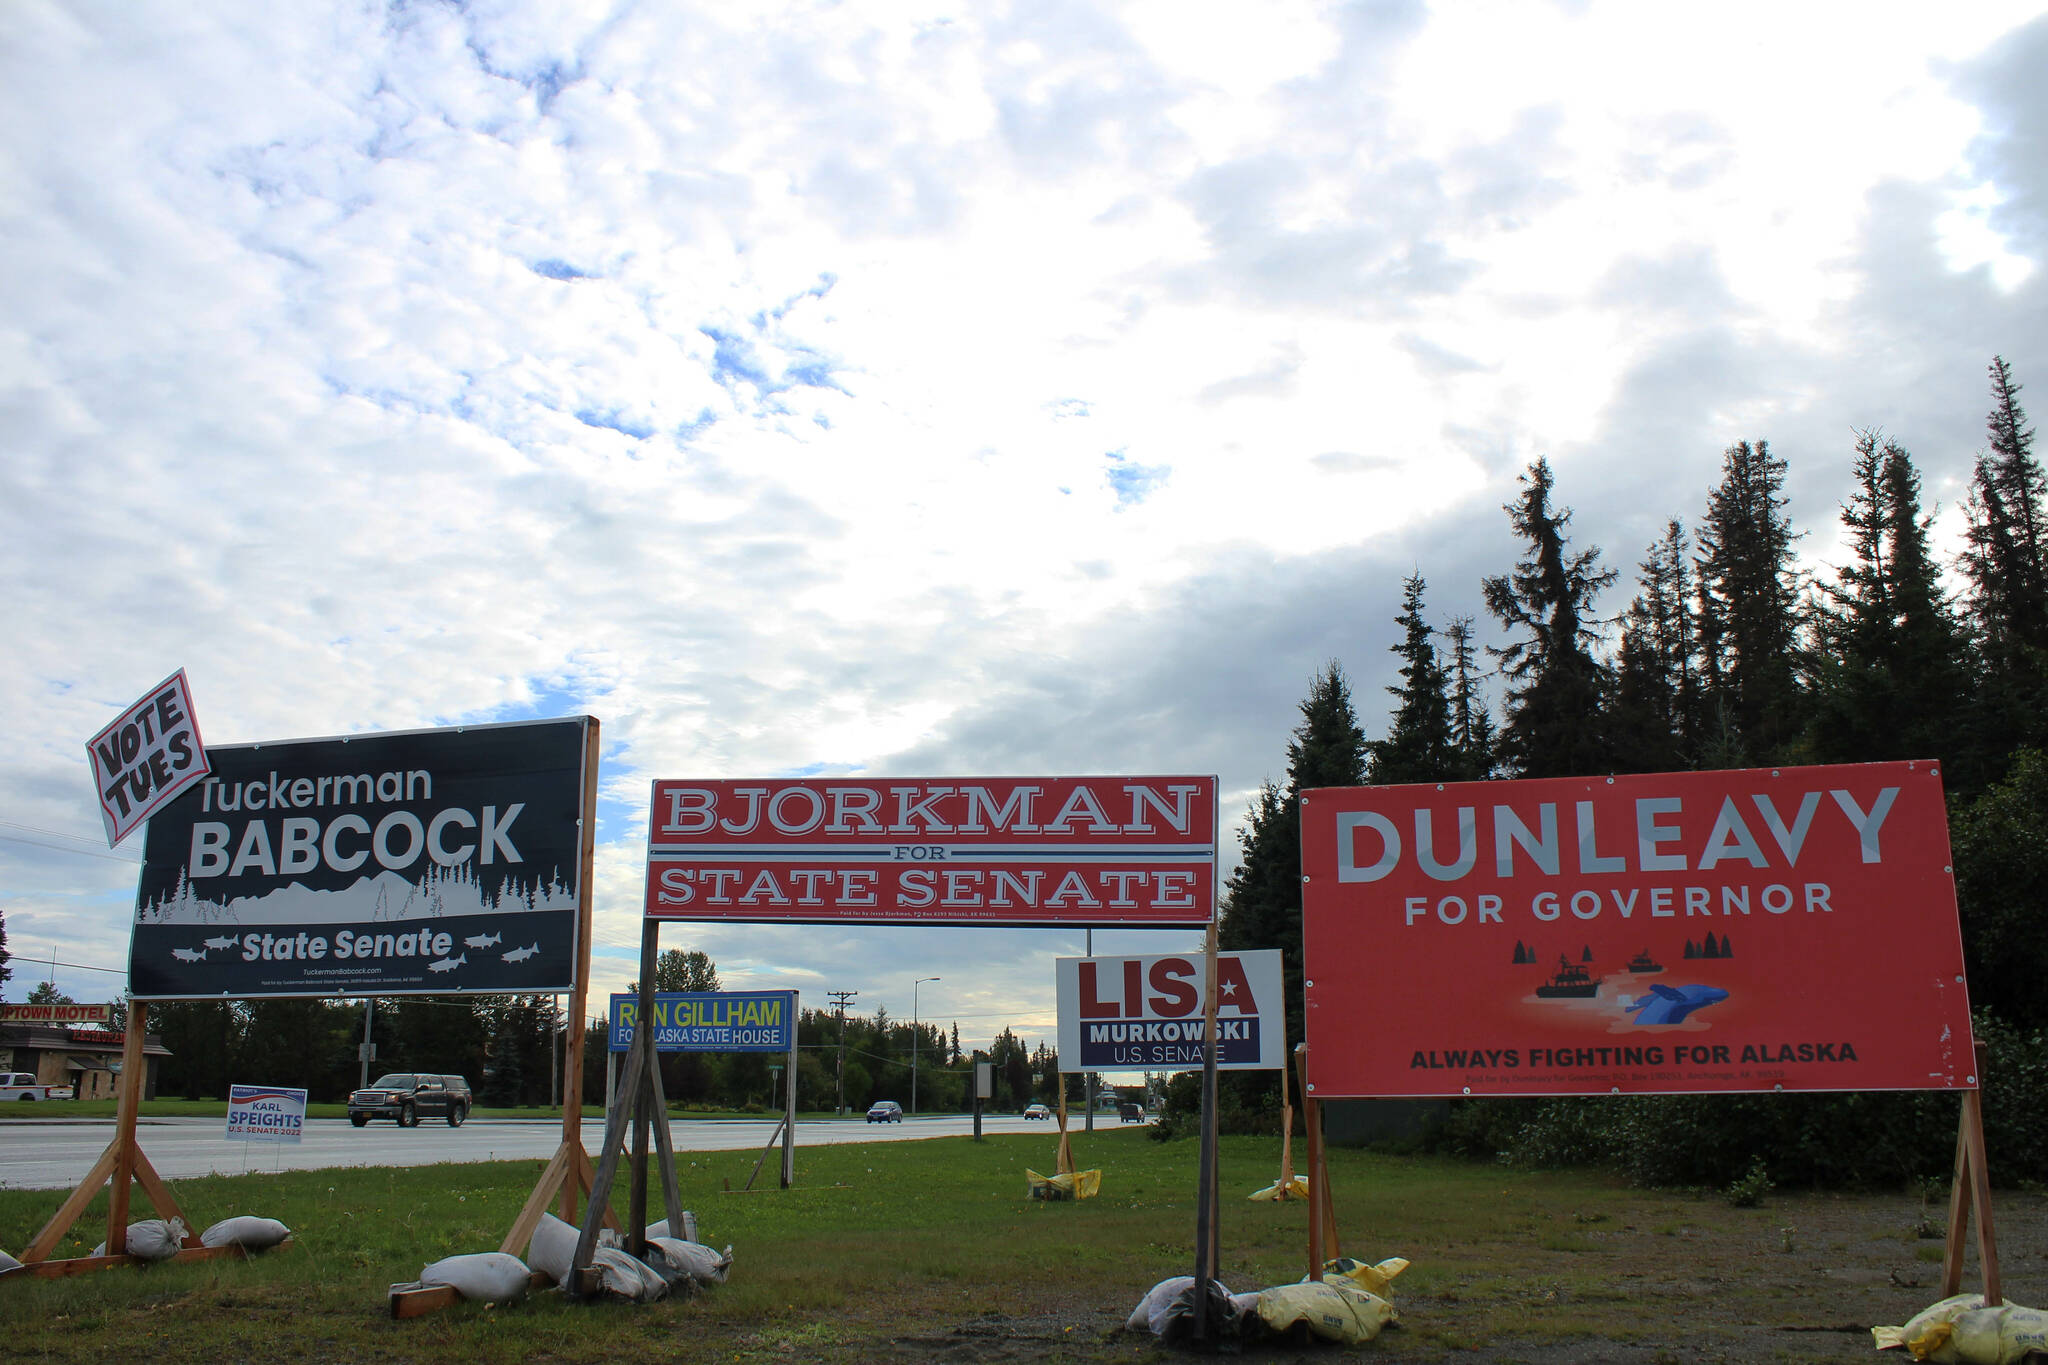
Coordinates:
[59,848]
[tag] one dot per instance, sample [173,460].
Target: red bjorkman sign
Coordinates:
[1786,928]
[958,850]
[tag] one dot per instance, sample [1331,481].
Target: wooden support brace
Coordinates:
[417,1300]
[84,1265]
[544,1191]
[1971,1190]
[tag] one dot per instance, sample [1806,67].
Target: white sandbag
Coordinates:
[8,1263]
[247,1232]
[552,1249]
[661,1229]
[485,1276]
[1150,1314]
[687,1265]
[1177,1323]
[1154,1300]
[699,1262]
[152,1239]
[624,1277]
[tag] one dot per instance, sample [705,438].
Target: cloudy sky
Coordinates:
[920,388]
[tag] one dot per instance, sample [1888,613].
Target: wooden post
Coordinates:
[1315,1203]
[124,1164]
[789,1103]
[126,1111]
[579,989]
[1063,1161]
[569,1173]
[1205,1182]
[1286,1121]
[1971,1189]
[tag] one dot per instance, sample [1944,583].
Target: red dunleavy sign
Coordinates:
[1754,930]
[956,850]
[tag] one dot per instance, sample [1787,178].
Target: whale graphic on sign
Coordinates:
[483,940]
[189,954]
[448,964]
[521,954]
[1664,1005]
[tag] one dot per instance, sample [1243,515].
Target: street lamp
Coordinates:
[915,1031]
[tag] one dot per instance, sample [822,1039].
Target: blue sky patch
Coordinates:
[612,420]
[1133,483]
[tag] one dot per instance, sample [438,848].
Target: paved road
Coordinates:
[43,1154]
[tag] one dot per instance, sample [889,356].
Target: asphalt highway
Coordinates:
[49,1154]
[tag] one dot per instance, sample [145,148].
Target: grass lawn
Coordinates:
[928,1250]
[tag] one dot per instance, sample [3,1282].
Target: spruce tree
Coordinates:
[1554,723]
[1749,607]
[2005,555]
[1889,676]
[1418,746]
[1472,732]
[2008,600]
[1262,899]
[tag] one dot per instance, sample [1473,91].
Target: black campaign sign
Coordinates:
[408,863]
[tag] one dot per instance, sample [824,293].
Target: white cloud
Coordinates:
[918,386]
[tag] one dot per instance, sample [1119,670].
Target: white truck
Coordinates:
[22,1085]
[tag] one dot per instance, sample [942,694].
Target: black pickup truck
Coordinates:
[408,1097]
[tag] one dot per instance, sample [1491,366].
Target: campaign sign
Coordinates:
[1757,930]
[424,862]
[146,756]
[995,851]
[266,1113]
[1146,1013]
[710,1021]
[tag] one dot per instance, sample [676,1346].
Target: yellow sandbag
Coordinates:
[1918,1326]
[1282,1190]
[1373,1279]
[1332,1310]
[1963,1331]
[1071,1185]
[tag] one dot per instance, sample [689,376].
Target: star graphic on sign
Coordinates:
[1230,988]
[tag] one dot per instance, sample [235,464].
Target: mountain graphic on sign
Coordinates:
[388,897]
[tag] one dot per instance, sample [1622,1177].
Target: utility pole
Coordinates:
[914,1032]
[842,997]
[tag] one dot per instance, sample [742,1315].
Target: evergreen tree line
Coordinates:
[1728,655]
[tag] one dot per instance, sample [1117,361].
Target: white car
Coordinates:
[1037,1111]
[22,1085]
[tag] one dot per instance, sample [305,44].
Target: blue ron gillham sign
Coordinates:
[723,1021]
[1146,1013]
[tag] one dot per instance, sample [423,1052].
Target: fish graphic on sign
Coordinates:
[225,942]
[448,964]
[521,954]
[483,940]
[1664,1005]
[189,954]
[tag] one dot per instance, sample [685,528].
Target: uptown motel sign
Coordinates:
[1756,930]
[994,851]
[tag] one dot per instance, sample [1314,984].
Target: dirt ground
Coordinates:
[1802,1279]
